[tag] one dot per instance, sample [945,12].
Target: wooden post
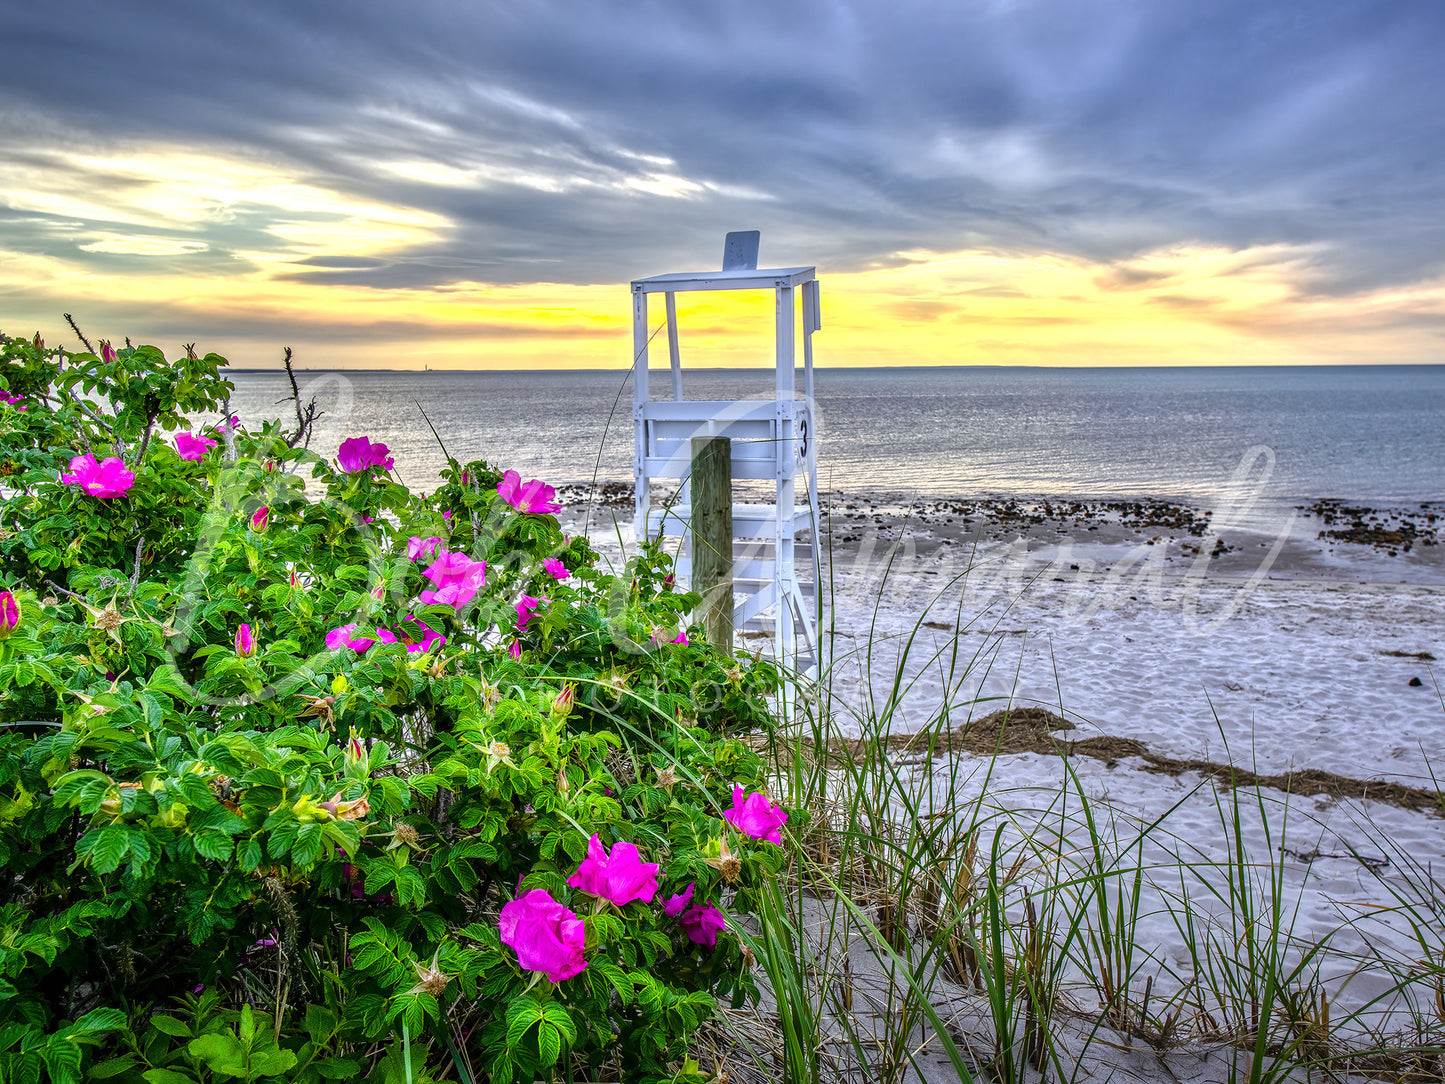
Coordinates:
[712,537]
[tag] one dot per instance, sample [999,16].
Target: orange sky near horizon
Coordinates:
[1185,304]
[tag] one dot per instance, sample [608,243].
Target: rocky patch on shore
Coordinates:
[1391,530]
[604,494]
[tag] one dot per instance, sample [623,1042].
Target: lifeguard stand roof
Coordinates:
[744,278]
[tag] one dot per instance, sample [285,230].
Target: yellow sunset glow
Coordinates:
[125,224]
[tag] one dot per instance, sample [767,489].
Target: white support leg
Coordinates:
[641,489]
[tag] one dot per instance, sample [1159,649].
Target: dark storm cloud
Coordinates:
[550,134]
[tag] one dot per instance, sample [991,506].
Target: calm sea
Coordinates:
[1368,433]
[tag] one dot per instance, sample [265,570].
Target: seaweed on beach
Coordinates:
[1033,730]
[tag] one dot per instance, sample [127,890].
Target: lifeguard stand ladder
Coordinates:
[773,438]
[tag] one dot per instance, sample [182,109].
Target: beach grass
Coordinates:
[938,923]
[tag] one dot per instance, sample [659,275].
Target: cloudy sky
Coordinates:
[978,181]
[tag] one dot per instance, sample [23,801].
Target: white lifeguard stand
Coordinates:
[774,438]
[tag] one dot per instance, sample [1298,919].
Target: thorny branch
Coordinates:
[84,436]
[152,412]
[68,594]
[304,419]
[71,321]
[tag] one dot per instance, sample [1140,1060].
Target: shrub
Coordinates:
[275,755]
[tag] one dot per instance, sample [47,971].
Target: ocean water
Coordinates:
[1374,434]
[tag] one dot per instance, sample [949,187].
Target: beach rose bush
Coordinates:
[301,771]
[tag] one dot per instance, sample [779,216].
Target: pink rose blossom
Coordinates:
[676,905]
[533,497]
[755,816]
[702,924]
[358,454]
[193,448]
[418,547]
[620,877]
[9,614]
[681,637]
[261,518]
[413,633]
[515,650]
[107,352]
[342,637]
[108,478]
[526,610]
[545,935]
[556,568]
[565,701]
[13,400]
[245,641]
[457,578]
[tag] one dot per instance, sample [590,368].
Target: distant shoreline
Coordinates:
[820,367]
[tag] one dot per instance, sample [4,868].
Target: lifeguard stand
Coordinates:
[774,438]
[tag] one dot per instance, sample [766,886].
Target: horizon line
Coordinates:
[663,369]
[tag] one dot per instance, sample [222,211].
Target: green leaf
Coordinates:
[222,1053]
[615,977]
[154,712]
[167,1076]
[63,1059]
[321,1023]
[522,1013]
[337,1068]
[410,886]
[271,1062]
[141,849]
[415,1013]
[503,1069]
[213,845]
[378,875]
[110,1068]
[196,789]
[111,845]
[104,1019]
[307,847]
[549,1043]
[364,959]
[559,1018]
[282,836]
[169,1025]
